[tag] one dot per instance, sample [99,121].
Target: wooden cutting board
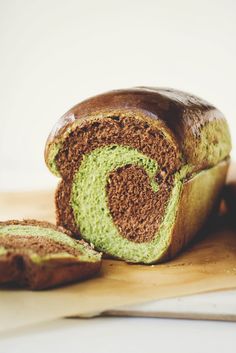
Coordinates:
[208,265]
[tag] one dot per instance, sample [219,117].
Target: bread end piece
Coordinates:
[38,255]
[200,197]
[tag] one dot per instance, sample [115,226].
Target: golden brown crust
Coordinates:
[185,117]
[200,197]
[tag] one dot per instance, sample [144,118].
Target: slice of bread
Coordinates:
[39,255]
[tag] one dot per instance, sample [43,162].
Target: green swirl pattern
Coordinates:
[90,205]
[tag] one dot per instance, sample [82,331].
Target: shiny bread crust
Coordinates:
[191,122]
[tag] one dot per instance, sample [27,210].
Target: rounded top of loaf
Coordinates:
[198,129]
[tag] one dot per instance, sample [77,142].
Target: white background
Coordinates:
[55,53]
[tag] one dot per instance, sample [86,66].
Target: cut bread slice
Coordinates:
[39,255]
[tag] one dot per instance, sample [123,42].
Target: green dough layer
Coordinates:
[90,205]
[59,237]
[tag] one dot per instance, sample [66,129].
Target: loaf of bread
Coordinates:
[39,255]
[141,170]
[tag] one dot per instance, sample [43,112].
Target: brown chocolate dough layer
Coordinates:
[126,131]
[64,211]
[40,245]
[136,209]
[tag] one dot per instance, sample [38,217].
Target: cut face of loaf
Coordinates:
[39,255]
[141,170]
